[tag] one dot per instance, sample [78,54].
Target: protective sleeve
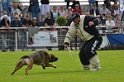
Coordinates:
[70,34]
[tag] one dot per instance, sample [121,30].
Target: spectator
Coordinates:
[116,10]
[35,8]
[68,2]
[74,2]
[117,21]
[31,34]
[30,6]
[5,23]
[5,13]
[50,22]
[110,24]
[6,5]
[62,11]
[91,3]
[55,12]
[77,10]
[68,16]
[15,9]
[34,22]
[109,6]
[103,13]
[94,11]
[87,13]
[26,23]
[15,23]
[45,8]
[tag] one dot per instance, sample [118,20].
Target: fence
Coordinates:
[17,37]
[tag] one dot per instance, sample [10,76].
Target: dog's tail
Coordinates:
[25,60]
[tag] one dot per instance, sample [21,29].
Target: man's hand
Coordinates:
[91,23]
[65,46]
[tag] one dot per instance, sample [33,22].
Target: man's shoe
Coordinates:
[95,69]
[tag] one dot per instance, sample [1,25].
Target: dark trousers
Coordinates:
[88,50]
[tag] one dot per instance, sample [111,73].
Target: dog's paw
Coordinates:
[55,67]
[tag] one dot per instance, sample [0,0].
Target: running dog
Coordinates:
[39,58]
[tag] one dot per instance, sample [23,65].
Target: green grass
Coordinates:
[68,69]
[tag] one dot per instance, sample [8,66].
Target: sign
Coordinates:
[45,38]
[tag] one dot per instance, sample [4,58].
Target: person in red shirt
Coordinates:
[77,9]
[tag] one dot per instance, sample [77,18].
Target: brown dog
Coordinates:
[39,58]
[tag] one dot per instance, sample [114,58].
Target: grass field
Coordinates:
[68,69]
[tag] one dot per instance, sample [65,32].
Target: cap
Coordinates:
[5,16]
[104,5]
[34,18]
[75,15]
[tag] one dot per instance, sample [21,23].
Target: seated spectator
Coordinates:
[5,23]
[94,11]
[108,5]
[15,23]
[55,12]
[77,9]
[68,15]
[117,21]
[110,24]
[62,11]
[103,13]
[15,9]
[87,13]
[32,31]
[27,22]
[74,2]
[5,13]
[34,22]
[116,10]
[50,22]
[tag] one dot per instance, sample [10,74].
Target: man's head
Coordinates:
[75,18]
[104,6]
[76,6]
[16,18]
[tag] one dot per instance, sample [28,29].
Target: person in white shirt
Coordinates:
[62,12]
[5,13]
[110,24]
[116,10]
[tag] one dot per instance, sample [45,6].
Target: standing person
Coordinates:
[68,2]
[15,23]
[91,2]
[25,23]
[35,8]
[85,27]
[6,6]
[5,23]
[45,7]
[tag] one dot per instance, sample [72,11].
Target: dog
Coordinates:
[39,58]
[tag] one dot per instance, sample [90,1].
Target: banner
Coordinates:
[115,39]
[45,38]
